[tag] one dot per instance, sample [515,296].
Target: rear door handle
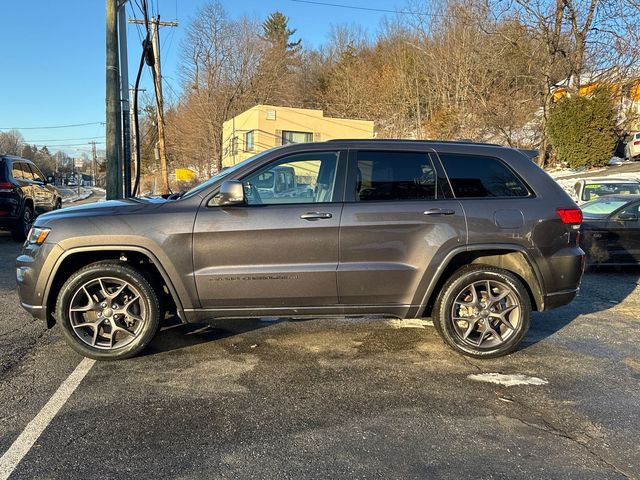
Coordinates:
[315,216]
[439,211]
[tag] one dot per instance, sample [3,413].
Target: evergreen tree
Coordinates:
[275,82]
[277,32]
[582,129]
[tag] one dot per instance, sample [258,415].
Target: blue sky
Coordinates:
[53,57]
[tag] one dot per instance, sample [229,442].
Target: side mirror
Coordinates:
[231,193]
[628,217]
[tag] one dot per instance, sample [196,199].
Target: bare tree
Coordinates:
[11,143]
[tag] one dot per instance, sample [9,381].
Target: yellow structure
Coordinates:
[185,174]
[266,126]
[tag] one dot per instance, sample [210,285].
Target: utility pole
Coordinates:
[125,163]
[113,131]
[157,83]
[94,163]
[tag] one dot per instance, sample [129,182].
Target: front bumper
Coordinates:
[33,268]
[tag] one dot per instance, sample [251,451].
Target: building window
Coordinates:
[248,141]
[234,146]
[296,137]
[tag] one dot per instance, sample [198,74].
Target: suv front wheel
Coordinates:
[108,311]
[483,311]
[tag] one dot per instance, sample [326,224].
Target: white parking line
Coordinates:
[34,429]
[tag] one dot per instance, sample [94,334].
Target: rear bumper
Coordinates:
[7,222]
[563,277]
[9,210]
[559,299]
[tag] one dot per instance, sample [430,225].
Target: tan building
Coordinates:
[265,126]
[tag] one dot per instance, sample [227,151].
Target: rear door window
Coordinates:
[394,176]
[16,171]
[26,172]
[478,176]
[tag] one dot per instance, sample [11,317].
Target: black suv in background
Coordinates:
[474,236]
[24,194]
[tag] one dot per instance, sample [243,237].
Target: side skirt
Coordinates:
[396,311]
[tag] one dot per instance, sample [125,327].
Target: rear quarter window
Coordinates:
[479,176]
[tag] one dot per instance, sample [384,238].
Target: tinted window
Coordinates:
[633,209]
[300,178]
[394,176]
[16,170]
[480,176]
[26,171]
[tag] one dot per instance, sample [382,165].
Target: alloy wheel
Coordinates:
[107,313]
[486,314]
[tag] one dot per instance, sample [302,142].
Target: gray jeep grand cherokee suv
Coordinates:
[475,236]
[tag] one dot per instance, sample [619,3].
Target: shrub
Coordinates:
[582,129]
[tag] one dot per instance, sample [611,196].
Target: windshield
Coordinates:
[220,175]
[603,207]
[595,190]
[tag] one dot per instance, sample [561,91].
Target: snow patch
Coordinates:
[410,323]
[507,380]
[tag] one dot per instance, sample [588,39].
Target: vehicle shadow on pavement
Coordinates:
[174,335]
[603,288]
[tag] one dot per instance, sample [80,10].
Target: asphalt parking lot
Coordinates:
[358,398]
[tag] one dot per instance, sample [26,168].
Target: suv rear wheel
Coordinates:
[21,230]
[483,311]
[108,311]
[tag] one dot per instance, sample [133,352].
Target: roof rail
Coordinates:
[401,140]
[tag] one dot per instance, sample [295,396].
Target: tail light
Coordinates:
[636,142]
[570,216]
[6,187]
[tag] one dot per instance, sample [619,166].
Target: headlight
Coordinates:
[38,235]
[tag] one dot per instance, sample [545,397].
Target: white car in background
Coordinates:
[587,189]
[632,149]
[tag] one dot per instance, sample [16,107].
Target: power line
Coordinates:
[369,9]
[62,139]
[72,144]
[53,126]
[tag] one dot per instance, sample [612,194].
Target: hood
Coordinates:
[108,208]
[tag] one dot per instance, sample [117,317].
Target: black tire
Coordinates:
[22,227]
[105,272]
[479,317]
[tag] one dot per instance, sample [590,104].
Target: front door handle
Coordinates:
[439,211]
[315,216]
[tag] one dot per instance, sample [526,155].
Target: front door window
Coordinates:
[301,178]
